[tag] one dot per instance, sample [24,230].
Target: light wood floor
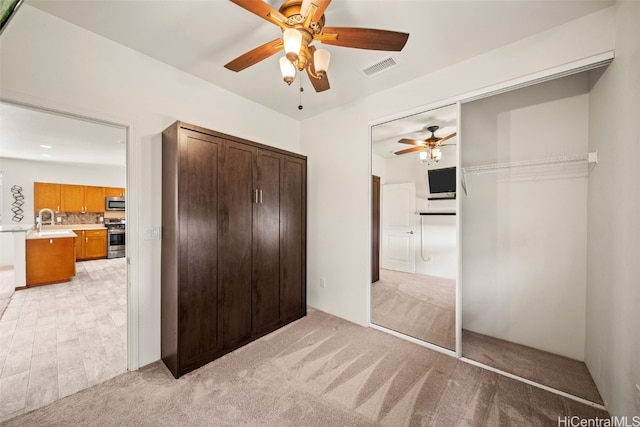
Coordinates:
[58,339]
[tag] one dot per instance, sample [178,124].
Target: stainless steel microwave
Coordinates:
[114,204]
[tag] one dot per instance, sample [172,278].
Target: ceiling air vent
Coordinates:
[380,66]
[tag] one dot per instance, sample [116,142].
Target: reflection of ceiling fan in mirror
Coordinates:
[302,22]
[430,147]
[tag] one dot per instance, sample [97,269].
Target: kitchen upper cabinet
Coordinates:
[82,198]
[72,198]
[234,243]
[94,199]
[114,192]
[46,195]
[91,244]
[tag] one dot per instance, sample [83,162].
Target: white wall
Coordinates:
[25,172]
[613,293]
[524,240]
[338,196]
[436,252]
[48,62]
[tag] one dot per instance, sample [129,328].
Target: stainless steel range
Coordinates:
[116,237]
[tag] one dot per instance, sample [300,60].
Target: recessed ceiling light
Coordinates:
[45,155]
[45,146]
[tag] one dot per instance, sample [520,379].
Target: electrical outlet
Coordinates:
[59,219]
[323,282]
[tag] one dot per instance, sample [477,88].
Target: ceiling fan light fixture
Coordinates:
[436,154]
[292,42]
[321,59]
[423,155]
[288,70]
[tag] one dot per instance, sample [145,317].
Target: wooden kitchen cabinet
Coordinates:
[46,195]
[234,243]
[50,260]
[114,192]
[82,198]
[91,244]
[72,198]
[94,199]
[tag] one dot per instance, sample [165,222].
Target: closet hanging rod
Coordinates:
[551,161]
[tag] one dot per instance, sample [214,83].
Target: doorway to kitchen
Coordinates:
[59,338]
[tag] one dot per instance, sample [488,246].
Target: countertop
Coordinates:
[74,227]
[51,234]
[15,228]
[61,231]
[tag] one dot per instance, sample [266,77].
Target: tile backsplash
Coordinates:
[68,218]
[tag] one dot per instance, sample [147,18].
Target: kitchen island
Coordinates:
[50,256]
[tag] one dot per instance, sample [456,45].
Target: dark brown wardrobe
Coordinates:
[233,243]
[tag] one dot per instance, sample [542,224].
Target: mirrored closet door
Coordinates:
[414,233]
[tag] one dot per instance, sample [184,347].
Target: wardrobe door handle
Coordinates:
[260,196]
[256,196]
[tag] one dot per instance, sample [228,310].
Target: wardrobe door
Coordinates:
[293,239]
[266,242]
[236,198]
[198,246]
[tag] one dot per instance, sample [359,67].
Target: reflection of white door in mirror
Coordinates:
[398,235]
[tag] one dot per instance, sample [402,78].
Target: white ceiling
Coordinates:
[24,132]
[385,136]
[200,36]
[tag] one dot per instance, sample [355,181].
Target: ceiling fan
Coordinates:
[302,22]
[433,144]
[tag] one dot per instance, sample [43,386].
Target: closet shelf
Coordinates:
[577,159]
[551,161]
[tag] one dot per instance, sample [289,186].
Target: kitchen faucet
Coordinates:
[39,225]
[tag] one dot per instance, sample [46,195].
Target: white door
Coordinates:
[398,216]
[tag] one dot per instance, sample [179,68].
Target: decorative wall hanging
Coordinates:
[18,201]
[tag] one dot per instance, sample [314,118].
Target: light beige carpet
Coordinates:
[317,371]
[423,307]
[559,372]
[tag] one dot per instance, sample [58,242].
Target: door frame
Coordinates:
[133,179]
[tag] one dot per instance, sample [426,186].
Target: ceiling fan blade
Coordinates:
[440,141]
[320,85]
[410,150]
[255,55]
[366,38]
[411,141]
[263,10]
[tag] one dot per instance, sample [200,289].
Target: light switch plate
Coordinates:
[152,233]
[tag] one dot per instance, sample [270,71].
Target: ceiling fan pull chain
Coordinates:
[300,107]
